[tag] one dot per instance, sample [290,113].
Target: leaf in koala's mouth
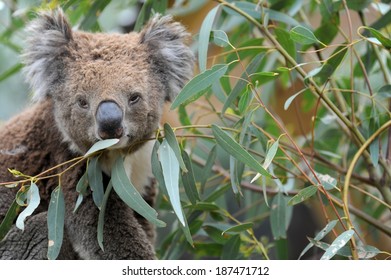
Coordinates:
[101,145]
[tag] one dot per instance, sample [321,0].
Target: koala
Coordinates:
[88,87]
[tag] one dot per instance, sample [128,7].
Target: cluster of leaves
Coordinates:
[225,182]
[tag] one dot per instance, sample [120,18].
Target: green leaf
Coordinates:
[157,168]
[337,244]
[208,167]
[285,40]
[233,148]
[327,181]
[216,234]
[90,20]
[170,168]
[199,83]
[81,188]
[243,81]
[278,213]
[95,180]
[239,228]
[220,38]
[129,194]
[56,214]
[11,71]
[172,141]
[320,236]
[231,248]
[101,145]
[289,101]
[189,181]
[386,42]
[101,218]
[9,218]
[303,195]
[203,41]
[33,200]
[204,206]
[303,35]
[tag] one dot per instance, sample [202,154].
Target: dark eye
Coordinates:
[82,102]
[134,99]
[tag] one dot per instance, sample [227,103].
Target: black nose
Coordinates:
[109,119]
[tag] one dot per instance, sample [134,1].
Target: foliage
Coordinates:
[326,146]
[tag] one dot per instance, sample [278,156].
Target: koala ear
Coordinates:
[172,59]
[46,45]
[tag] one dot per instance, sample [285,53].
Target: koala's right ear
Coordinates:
[48,37]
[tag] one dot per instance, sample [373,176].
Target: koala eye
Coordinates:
[82,102]
[134,98]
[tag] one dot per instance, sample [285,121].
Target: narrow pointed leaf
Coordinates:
[101,145]
[129,194]
[208,167]
[81,188]
[188,180]
[278,213]
[56,214]
[386,42]
[303,195]
[233,148]
[199,83]
[101,218]
[220,38]
[289,101]
[204,36]
[239,228]
[320,236]
[172,141]
[303,35]
[33,200]
[170,168]
[157,168]
[231,248]
[337,244]
[95,180]
[9,218]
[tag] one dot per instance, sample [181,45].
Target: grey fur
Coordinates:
[64,67]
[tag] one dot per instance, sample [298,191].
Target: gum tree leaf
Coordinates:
[284,38]
[203,41]
[239,228]
[81,188]
[243,81]
[208,167]
[220,38]
[157,168]
[328,182]
[337,244]
[95,180]
[101,145]
[233,148]
[33,200]
[172,141]
[170,168]
[303,195]
[199,83]
[320,236]
[9,218]
[129,194]
[189,181]
[289,101]
[303,35]
[101,218]
[56,214]
[278,215]
[386,42]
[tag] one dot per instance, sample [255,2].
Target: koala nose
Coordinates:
[109,119]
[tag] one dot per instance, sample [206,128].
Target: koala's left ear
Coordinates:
[172,59]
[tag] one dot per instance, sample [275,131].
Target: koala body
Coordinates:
[89,87]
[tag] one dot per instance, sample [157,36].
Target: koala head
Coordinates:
[106,85]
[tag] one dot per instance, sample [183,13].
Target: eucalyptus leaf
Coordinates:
[199,83]
[172,141]
[56,214]
[337,244]
[170,168]
[220,38]
[8,221]
[239,228]
[231,248]
[129,194]
[101,217]
[188,180]
[101,145]
[33,200]
[278,214]
[303,195]
[303,35]
[95,180]
[233,148]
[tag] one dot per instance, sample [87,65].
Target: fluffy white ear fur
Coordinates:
[47,39]
[171,56]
